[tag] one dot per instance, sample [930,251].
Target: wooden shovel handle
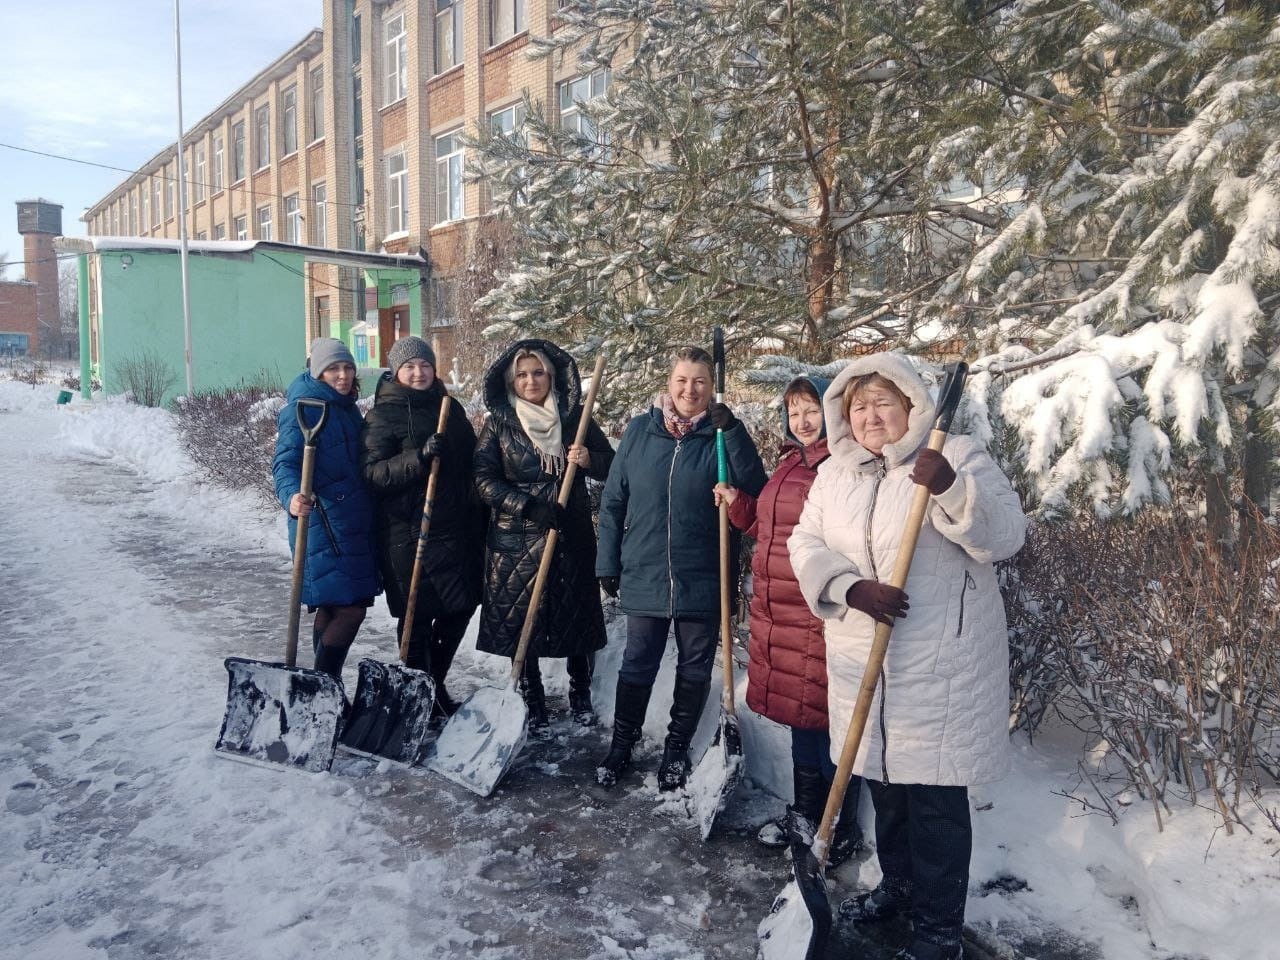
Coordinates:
[411,604]
[310,435]
[553,535]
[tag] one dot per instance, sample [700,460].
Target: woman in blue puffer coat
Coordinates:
[659,554]
[340,577]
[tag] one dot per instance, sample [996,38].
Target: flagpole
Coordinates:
[182,207]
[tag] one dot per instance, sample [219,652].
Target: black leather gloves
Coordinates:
[880,601]
[933,471]
[544,514]
[721,416]
[434,448]
[610,586]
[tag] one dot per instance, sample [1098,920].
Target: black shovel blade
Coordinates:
[280,716]
[798,926]
[718,773]
[391,713]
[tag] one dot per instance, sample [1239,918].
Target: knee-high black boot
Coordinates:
[846,840]
[686,709]
[581,668]
[446,639]
[535,700]
[628,720]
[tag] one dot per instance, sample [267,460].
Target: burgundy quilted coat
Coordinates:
[787,675]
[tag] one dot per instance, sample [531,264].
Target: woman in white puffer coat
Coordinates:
[940,718]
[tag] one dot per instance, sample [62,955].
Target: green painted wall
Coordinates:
[248,317]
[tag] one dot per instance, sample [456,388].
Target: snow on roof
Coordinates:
[98,244]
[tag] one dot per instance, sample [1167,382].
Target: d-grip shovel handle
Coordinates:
[553,535]
[310,433]
[411,604]
[948,400]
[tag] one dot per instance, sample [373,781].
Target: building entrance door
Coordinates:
[393,323]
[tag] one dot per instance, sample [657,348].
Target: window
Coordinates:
[219,231]
[356,41]
[145,222]
[357,107]
[319,215]
[115,221]
[201,171]
[200,235]
[322,315]
[509,122]
[396,60]
[264,222]
[237,152]
[157,204]
[506,19]
[219,163]
[242,228]
[292,220]
[357,178]
[448,34]
[574,93]
[397,193]
[128,223]
[262,137]
[289,109]
[317,104]
[171,192]
[449,178]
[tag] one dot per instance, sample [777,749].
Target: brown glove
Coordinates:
[880,601]
[933,471]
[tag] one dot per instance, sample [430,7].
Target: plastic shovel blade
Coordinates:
[391,713]
[718,773]
[280,716]
[799,923]
[482,739]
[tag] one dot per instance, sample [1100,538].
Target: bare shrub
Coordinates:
[231,434]
[1160,648]
[71,381]
[145,376]
[30,370]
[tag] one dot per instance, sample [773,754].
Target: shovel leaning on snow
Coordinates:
[391,711]
[799,924]
[279,713]
[484,736]
[720,770]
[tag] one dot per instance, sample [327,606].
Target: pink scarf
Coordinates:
[677,425]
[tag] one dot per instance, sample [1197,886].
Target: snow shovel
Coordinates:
[280,713]
[799,924]
[391,711]
[484,736]
[720,770]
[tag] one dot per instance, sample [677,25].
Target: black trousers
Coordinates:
[923,841]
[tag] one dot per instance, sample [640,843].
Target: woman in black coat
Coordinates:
[534,396]
[399,443]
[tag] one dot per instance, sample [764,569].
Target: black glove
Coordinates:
[933,471]
[544,514]
[880,601]
[610,586]
[437,444]
[721,416]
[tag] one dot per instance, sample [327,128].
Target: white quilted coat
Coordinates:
[941,714]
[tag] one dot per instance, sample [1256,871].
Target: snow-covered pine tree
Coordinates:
[780,162]
[1139,284]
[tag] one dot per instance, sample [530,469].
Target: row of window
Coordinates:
[449,164]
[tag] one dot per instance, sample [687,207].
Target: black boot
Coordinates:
[535,700]
[449,631]
[686,710]
[886,902]
[846,840]
[809,794]
[580,670]
[330,660]
[628,719]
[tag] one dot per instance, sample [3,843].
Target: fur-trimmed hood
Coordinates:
[896,368]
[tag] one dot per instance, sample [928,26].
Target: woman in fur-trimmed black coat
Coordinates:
[534,396]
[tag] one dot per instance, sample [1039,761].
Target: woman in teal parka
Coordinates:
[340,576]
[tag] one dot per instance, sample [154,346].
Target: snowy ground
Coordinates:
[124,586]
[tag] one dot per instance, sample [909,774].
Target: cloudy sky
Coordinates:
[96,82]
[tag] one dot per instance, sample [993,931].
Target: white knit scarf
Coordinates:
[541,421]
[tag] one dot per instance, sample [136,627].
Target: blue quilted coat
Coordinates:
[340,568]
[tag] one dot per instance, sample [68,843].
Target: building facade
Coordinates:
[352,140]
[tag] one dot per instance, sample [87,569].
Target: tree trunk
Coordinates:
[1256,467]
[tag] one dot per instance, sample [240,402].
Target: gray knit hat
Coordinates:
[409,348]
[325,352]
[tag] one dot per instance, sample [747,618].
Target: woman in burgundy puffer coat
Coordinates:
[787,676]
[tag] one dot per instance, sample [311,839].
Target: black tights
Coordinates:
[332,633]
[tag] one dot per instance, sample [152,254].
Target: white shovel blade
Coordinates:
[785,934]
[481,740]
[717,775]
